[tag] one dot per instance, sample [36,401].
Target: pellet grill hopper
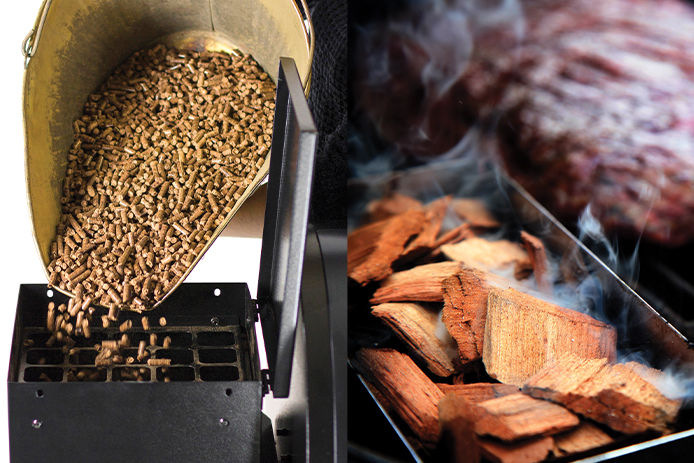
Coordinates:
[210,410]
[75,45]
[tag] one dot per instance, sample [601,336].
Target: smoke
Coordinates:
[673,382]
[592,234]
[590,228]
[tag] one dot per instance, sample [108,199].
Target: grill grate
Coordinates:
[197,353]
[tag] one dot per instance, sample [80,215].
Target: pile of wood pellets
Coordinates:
[161,154]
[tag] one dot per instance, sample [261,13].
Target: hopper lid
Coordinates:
[286,219]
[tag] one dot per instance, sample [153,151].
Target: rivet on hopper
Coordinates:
[74,46]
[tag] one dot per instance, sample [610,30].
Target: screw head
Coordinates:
[36,424]
[223,422]
[214,321]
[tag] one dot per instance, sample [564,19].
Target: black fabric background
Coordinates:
[328,103]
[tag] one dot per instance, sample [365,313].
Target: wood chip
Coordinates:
[374,247]
[417,326]
[527,451]
[465,309]
[519,416]
[523,334]
[538,259]
[585,437]
[413,395]
[457,421]
[479,392]
[501,255]
[426,240]
[474,212]
[458,437]
[393,204]
[454,235]
[613,394]
[422,283]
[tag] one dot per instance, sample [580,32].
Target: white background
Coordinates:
[228,260]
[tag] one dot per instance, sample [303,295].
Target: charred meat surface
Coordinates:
[591,103]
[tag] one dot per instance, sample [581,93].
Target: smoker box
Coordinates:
[210,409]
[641,329]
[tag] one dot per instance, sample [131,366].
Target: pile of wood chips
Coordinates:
[489,369]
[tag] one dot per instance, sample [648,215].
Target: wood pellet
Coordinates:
[161,154]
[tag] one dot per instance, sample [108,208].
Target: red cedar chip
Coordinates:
[519,416]
[465,309]
[612,394]
[416,325]
[523,334]
[372,249]
[458,437]
[474,212]
[393,204]
[488,255]
[538,260]
[422,283]
[411,393]
[426,240]
[527,451]
[585,437]
[479,392]
[454,235]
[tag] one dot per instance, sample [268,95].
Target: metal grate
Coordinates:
[197,353]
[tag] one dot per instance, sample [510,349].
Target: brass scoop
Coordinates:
[74,46]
